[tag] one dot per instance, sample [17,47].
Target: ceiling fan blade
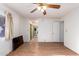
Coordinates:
[39,4]
[53,6]
[44,12]
[33,10]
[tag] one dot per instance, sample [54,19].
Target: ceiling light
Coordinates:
[44,7]
[42,10]
[39,8]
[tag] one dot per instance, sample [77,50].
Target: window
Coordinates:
[2,26]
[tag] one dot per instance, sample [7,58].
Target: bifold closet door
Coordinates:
[45,29]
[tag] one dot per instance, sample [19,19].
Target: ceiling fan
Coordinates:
[43,6]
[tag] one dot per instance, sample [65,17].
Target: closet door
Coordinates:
[45,31]
[55,32]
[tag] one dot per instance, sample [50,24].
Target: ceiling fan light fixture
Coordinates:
[39,8]
[42,10]
[44,7]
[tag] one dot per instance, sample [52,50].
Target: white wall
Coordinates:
[24,28]
[48,30]
[56,33]
[71,30]
[6,46]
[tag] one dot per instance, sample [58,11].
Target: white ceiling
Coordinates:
[25,8]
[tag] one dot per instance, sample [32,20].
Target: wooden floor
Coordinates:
[42,49]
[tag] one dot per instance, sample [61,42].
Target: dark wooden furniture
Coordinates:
[17,41]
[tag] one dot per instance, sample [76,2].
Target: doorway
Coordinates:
[33,30]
